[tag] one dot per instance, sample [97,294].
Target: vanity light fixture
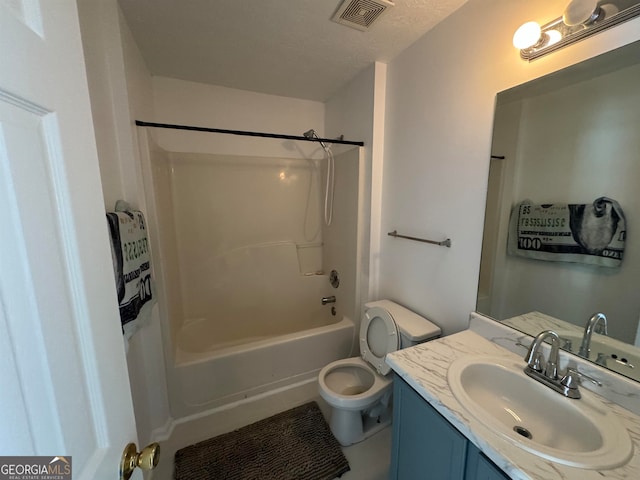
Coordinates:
[581,19]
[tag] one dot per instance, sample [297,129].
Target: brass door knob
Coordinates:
[147,459]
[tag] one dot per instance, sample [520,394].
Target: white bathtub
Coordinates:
[208,379]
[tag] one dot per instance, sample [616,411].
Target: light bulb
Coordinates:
[581,12]
[527,35]
[554,37]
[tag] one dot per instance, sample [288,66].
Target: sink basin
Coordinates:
[581,433]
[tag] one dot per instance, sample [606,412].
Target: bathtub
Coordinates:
[221,374]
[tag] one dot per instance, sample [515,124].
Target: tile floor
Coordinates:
[369,460]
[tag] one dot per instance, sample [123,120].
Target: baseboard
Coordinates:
[163,433]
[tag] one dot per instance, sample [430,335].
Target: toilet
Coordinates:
[359,389]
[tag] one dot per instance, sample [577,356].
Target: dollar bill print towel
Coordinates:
[592,233]
[131,267]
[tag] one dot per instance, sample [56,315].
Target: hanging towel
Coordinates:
[131,267]
[592,233]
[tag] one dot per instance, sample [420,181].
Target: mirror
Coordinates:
[565,140]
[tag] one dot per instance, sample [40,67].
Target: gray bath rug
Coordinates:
[292,445]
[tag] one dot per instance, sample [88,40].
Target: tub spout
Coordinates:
[331,299]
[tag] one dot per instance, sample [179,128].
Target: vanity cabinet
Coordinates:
[427,446]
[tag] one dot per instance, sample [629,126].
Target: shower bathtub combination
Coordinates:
[210,379]
[241,255]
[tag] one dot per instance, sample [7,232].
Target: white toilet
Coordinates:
[359,389]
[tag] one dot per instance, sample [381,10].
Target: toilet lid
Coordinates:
[378,336]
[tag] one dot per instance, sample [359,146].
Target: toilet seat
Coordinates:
[378,337]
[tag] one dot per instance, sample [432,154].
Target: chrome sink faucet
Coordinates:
[597,323]
[547,372]
[536,363]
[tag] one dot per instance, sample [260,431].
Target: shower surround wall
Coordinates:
[248,241]
[242,268]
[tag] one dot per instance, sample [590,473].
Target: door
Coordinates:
[64,388]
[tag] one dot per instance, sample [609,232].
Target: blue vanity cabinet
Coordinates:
[480,467]
[426,446]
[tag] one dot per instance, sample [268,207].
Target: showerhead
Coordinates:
[311,134]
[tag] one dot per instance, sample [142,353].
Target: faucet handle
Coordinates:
[536,362]
[602,359]
[573,377]
[567,344]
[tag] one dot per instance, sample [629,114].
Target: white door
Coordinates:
[64,388]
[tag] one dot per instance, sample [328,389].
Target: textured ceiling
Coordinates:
[280,47]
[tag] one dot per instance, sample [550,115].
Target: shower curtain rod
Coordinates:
[140,123]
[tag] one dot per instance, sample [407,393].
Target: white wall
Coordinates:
[198,104]
[439,110]
[120,89]
[105,73]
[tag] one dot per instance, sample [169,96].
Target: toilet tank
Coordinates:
[413,328]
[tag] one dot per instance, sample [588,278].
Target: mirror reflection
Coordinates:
[561,242]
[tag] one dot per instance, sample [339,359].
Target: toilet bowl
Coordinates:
[351,384]
[358,389]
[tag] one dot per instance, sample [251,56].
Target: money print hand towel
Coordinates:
[592,233]
[131,268]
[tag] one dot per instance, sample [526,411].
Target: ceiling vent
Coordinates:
[360,14]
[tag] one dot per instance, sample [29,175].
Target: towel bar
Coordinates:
[443,243]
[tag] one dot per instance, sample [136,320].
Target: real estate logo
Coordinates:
[35,468]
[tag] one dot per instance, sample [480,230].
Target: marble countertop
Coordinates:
[425,368]
[537,322]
